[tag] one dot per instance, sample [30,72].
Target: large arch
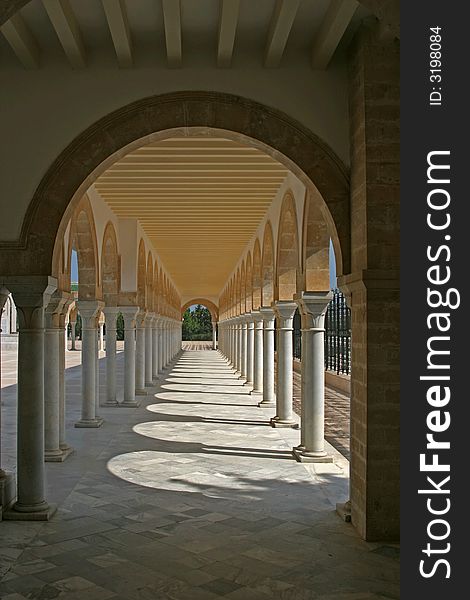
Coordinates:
[267,267]
[287,254]
[141,276]
[159,117]
[83,239]
[213,309]
[110,266]
[256,281]
[315,247]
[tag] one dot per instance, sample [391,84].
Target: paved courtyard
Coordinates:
[191,496]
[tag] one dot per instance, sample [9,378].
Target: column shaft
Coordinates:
[285,314]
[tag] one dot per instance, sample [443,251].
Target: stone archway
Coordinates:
[158,117]
[211,307]
[287,261]
[267,267]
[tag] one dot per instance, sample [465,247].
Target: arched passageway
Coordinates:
[212,198]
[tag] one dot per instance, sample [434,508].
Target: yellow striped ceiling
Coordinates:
[199,200]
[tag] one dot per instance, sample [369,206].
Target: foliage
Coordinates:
[197,324]
[120,327]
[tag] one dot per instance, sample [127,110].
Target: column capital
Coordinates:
[89,311]
[129,314]
[110,315]
[267,313]
[149,317]
[284,309]
[55,308]
[140,318]
[256,316]
[313,305]
[31,295]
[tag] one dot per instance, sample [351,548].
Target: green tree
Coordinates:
[197,323]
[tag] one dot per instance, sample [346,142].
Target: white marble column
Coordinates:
[30,297]
[155,349]
[257,354]
[129,314]
[148,350]
[110,314]
[284,311]
[214,335]
[53,340]
[72,335]
[97,372]
[63,445]
[312,306]
[140,354]
[236,339]
[243,346]
[89,310]
[101,344]
[269,400]
[250,349]
[160,344]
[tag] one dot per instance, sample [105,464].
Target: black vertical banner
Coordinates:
[435,247]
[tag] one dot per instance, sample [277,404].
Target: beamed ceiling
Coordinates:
[178,33]
[200,201]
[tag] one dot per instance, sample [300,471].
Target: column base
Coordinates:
[130,404]
[89,423]
[63,455]
[267,404]
[250,383]
[141,392]
[256,394]
[344,510]
[302,455]
[110,403]
[156,380]
[277,422]
[18,512]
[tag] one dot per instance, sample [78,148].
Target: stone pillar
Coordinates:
[373,284]
[101,344]
[30,297]
[269,400]
[66,449]
[214,335]
[89,310]
[7,483]
[97,372]
[148,350]
[53,340]
[110,313]
[140,354]
[284,415]
[236,344]
[250,347]
[243,346]
[72,335]
[312,306]
[129,314]
[160,344]
[155,349]
[258,354]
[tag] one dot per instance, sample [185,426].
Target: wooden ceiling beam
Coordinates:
[66,27]
[118,23]
[22,41]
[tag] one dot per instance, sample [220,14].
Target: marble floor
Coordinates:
[191,496]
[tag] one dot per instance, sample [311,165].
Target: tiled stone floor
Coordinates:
[192,496]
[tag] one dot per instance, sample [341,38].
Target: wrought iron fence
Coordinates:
[338,335]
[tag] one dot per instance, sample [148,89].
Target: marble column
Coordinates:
[284,311]
[257,354]
[155,349]
[243,346]
[140,354]
[72,335]
[312,306]
[30,297]
[63,445]
[7,481]
[53,340]
[148,350]
[97,372]
[236,339]
[250,347]
[101,344]
[110,314]
[89,310]
[214,335]
[269,400]
[160,344]
[129,314]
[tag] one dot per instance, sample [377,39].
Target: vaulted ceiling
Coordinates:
[176,33]
[200,200]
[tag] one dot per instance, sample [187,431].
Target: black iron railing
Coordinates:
[338,335]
